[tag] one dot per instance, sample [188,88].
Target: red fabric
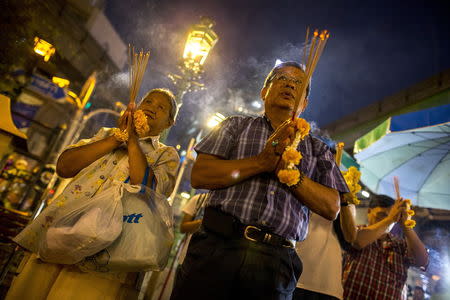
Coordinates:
[378,271]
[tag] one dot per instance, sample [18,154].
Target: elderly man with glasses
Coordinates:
[245,247]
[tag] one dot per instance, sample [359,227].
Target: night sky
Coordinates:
[376,49]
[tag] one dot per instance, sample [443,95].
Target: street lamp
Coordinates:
[201,39]
[43,48]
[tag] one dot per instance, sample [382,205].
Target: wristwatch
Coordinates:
[344,204]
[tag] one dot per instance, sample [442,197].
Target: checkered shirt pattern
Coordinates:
[378,271]
[262,200]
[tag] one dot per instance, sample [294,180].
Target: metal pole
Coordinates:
[181,171]
[87,117]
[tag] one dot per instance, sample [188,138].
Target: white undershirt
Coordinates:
[321,256]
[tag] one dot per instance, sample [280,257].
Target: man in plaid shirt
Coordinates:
[377,267]
[245,248]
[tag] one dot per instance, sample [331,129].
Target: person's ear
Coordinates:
[304,105]
[263,93]
[169,122]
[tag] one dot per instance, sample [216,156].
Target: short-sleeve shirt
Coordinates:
[262,200]
[378,271]
[162,159]
[100,175]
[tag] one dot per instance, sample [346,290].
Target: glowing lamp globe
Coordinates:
[200,41]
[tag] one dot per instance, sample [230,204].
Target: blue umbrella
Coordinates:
[415,147]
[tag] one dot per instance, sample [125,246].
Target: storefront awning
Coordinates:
[6,121]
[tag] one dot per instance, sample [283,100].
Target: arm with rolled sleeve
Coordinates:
[80,155]
[321,194]
[213,169]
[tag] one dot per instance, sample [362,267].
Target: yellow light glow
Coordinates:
[200,41]
[43,48]
[61,82]
[215,120]
[185,195]
[87,89]
[72,97]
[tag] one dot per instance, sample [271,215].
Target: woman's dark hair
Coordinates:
[381,201]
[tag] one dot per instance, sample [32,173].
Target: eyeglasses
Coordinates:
[284,78]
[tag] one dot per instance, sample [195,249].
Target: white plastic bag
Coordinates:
[83,228]
[147,235]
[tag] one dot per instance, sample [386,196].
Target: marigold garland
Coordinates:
[409,223]
[140,123]
[352,176]
[291,175]
[291,155]
[303,127]
[121,136]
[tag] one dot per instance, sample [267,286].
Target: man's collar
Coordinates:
[153,139]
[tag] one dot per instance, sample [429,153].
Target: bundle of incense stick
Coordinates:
[138,64]
[316,46]
[339,152]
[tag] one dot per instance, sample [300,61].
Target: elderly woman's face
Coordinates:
[156,107]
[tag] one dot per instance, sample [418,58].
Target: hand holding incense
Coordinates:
[409,223]
[137,64]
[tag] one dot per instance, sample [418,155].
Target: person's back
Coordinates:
[322,259]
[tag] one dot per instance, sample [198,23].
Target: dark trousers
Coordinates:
[216,267]
[301,294]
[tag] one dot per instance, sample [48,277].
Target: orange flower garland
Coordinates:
[121,136]
[352,176]
[140,123]
[291,175]
[291,155]
[409,223]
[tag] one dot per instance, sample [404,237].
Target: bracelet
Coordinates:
[300,181]
[344,204]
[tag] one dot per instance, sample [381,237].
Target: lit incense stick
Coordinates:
[397,187]
[316,46]
[138,64]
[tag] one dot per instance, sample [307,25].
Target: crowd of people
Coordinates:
[250,236]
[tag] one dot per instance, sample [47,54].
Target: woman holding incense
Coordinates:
[130,151]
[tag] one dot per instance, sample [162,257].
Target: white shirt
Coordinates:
[321,256]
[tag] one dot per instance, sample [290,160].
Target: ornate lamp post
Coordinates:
[201,39]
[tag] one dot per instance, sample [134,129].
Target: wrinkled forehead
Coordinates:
[289,71]
[161,98]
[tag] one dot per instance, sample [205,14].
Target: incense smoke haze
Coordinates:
[375,49]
